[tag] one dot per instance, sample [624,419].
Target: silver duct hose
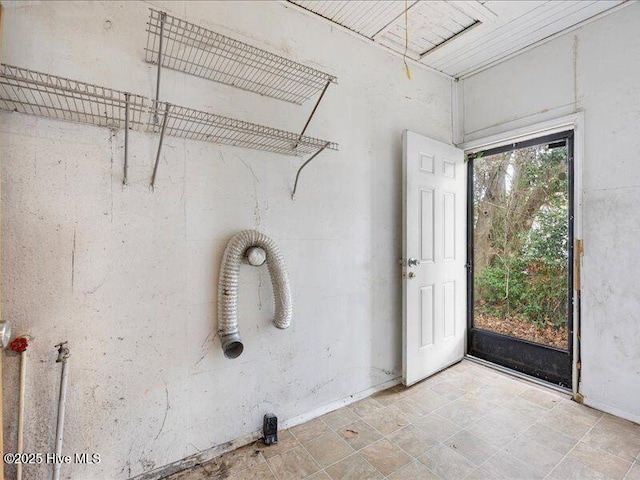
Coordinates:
[228,288]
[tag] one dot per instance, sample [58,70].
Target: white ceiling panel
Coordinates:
[462,36]
[430,24]
[366,17]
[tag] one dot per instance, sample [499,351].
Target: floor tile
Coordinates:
[472,447]
[365,407]
[469,382]
[339,418]
[571,469]
[494,394]
[532,453]
[427,383]
[448,390]
[428,400]
[480,474]
[411,409]
[359,434]
[463,412]
[328,449]
[619,424]
[500,428]
[599,460]
[614,442]
[385,456]
[413,440]
[296,464]
[234,461]
[520,405]
[506,467]
[572,426]
[386,420]
[310,431]
[354,467]
[542,397]
[447,463]
[481,397]
[634,472]
[437,427]
[550,438]
[259,472]
[508,384]
[391,395]
[286,442]
[579,412]
[321,475]
[466,422]
[414,471]
[193,473]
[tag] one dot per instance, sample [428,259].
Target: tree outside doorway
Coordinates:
[521,244]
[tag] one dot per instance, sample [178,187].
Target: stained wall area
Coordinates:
[593,70]
[128,276]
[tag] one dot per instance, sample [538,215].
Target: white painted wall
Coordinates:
[594,69]
[129,276]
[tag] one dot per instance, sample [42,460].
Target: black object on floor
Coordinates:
[270,429]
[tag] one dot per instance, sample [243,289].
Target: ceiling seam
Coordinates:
[353,33]
[396,18]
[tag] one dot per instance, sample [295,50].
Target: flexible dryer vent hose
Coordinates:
[228,288]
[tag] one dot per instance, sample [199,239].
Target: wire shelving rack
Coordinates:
[45,95]
[35,93]
[183,46]
[180,45]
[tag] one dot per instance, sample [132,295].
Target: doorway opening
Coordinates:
[520,256]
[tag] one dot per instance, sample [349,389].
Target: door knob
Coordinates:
[412,262]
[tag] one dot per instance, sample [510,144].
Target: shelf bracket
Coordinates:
[312,113]
[163,17]
[295,185]
[164,126]
[126,139]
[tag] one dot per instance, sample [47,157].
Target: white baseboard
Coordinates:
[603,407]
[206,455]
[305,417]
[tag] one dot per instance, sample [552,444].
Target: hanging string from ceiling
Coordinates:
[406,39]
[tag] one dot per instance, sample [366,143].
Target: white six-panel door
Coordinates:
[434,256]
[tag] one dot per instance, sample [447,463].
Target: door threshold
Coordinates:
[515,373]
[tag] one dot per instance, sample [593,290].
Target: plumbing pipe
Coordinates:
[63,357]
[5,335]
[19,345]
[239,244]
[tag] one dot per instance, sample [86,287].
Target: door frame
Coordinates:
[513,132]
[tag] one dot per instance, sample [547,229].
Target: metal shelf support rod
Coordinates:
[164,126]
[313,113]
[163,17]
[295,185]
[126,139]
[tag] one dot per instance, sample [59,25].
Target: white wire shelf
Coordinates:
[198,125]
[194,50]
[45,95]
[35,93]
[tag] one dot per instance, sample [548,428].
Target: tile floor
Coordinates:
[467,422]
